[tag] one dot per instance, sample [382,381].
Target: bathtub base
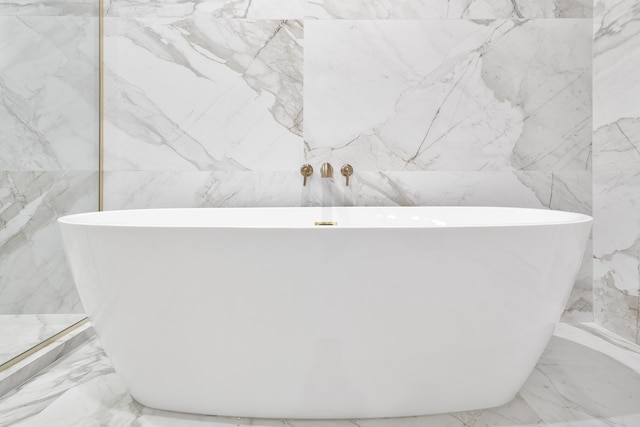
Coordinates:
[317,413]
[418,386]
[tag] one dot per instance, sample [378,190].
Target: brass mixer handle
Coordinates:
[347,171]
[306,170]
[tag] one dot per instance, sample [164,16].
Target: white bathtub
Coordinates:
[257,312]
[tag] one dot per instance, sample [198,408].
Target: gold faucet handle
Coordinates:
[306,170]
[347,171]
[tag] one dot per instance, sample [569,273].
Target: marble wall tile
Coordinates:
[48,93]
[223,94]
[570,191]
[228,9]
[616,254]
[34,276]
[616,85]
[49,8]
[616,165]
[449,95]
[447,9]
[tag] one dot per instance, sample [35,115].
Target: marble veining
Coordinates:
[48,93]
[225,94]
[34,277]
[586,377]
[449,95]
[448,9]
[20,332]
[41,359]
[616,146]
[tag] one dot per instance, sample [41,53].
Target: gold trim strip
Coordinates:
[325,223]
[19,358]
[101,107]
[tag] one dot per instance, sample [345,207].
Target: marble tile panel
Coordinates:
[448,9]
[226,9]
[48,93]
[49,8]
[598,338]
[502,95]
[203,94]
[616,252]
[616,85]
[573,382]
[76,368]
[34,277]
[580,380]
[43,358]
[141,190]
[570,191]
[20,332]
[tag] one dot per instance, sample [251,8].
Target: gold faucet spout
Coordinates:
[326,170]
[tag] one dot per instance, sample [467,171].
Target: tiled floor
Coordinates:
[20,332]
[586,377]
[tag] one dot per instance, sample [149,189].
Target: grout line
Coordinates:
[638,321]
[101,107]
[19,358]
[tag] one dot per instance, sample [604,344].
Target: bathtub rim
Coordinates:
[571,218]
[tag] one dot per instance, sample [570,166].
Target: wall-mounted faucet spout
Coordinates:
[326,170]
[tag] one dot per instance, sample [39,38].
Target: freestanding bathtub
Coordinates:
[258,312]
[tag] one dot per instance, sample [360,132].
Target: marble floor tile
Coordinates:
[20,332]
[587,376]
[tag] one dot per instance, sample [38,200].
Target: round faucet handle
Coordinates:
[306,170]
[347,171]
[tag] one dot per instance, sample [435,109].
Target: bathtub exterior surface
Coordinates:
[257,312]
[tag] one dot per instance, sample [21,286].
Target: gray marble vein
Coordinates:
[48,93]
[224,94]
[580,380]
[616,147]
[34,277]
[449,95]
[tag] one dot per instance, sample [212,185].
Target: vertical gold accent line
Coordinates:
[101,106]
